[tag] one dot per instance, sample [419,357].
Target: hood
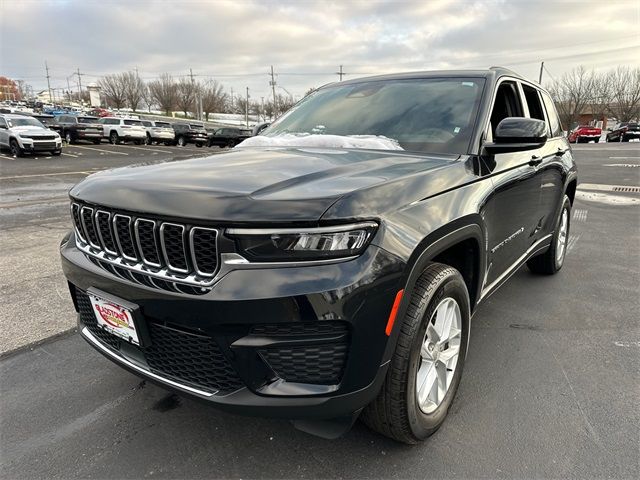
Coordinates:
[252,185]
[31,130]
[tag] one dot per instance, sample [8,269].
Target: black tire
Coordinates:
[56,153]
[623,138]
[231,144]
[16,151]
[68,138]
[114,139]
[137,142]
[97,142]
[597,140]
[199,145]
[148,140]
[395,412]
[168,144]
[548,263]
[181,142]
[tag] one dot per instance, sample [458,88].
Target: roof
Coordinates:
[490,73]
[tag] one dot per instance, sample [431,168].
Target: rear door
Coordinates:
[512,209]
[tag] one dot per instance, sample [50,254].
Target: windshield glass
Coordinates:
[132,122]
[426,115]
[24,122]
[87,119]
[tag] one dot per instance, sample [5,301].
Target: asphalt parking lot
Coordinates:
[551,385]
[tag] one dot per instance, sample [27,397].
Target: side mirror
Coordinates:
[517,134]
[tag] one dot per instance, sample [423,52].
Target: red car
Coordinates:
[100,112]
[585,133]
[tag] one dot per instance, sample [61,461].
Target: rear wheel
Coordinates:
[147,140]
[113,138]
[181,141]
[68,138]
[426,366]
[551,261]
[16,151]
[199,145]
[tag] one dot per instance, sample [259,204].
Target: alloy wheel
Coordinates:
[439,355]
[562,236]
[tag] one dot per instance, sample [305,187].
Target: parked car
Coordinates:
[585,133]
[48,121]
[160,132]
[335,275]
[74,128]
[623,132]
[117,130]
[186,133]
[24,134]
[100,112]
[227,136]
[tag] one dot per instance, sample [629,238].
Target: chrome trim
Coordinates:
[117,235]
[155,243]
[192,249]
[99,232]
[164,248]
[514,266]
[241,263]
[84,224]
[106,351]
[76,227]
[274,231]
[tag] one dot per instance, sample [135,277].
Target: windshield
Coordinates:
[427,115]
[132,122]
[87,119]
[24,122]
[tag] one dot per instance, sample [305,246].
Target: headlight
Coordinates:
[290,245]
[25,135]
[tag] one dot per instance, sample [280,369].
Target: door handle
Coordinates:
[535,160]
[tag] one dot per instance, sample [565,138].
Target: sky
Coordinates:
[236,42]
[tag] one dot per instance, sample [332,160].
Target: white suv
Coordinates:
[22,134]
[123,129]
[159,132]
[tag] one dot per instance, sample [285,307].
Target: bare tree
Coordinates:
[186,95]
[165,93]
[114,89]
[623,93]
[134,89]
[213,98]
[572,93]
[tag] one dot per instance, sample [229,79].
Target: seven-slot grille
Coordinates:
[150,251]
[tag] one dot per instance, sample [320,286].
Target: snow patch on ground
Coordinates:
[323,141]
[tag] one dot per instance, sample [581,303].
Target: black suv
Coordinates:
[73,128]
[228,136]
[190,133]
[334,272]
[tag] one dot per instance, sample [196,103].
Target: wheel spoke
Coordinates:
[441,371]
[426,379]
[451,353]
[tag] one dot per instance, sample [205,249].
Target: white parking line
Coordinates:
[69,155]
[148,149]
[573,239]
[580,215]
[44,175]
[101,150]
[637,157]
[7,157]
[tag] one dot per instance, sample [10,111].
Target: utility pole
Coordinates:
[231,99]
[262,108]
[48,82]
[340,73]
[246,109]
[68,90]
[80,85]
[273,88]
[540,76]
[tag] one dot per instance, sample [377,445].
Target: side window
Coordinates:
[554,122]
[3,122]
[533,102]
[507,104]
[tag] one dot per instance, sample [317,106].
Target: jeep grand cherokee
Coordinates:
[328,268]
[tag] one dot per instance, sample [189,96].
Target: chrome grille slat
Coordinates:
[150,252]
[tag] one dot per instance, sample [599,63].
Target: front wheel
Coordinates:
[113,138]
[16,151]
[551,261]
[68,138]
[181,141]
[426,366]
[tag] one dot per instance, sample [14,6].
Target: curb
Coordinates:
[31,346]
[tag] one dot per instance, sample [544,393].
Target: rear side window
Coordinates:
[554,122]
[132,122]
[533,102]
[507,104]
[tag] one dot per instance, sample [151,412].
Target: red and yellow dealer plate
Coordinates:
[115,319]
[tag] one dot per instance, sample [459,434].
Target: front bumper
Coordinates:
[296,342]
[41,145]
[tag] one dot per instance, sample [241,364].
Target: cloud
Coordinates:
[237,41]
